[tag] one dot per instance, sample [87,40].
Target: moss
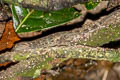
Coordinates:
[19,57]
[103,36]
[32,71]
[91,5]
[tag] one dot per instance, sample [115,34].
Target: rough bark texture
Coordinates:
[51,49]
[48,5]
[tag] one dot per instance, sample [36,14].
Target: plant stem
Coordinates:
[24,20]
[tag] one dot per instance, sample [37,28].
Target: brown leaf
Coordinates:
[4,64]
[9,37]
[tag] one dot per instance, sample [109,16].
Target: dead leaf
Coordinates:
[4,64]
[9,37]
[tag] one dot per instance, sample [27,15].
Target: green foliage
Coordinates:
[39,20]
[91,5]
[19,57]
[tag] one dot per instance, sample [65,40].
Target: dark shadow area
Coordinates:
[112,44]
[3,51]
[8,65]
[6,20]
[102,13]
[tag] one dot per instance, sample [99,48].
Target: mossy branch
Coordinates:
[47,56]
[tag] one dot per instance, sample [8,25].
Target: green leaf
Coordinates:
[91,5]
[39,20]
